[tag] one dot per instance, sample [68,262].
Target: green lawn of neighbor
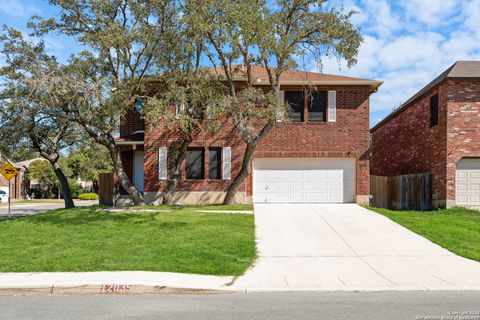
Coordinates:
[455,229]
[89,239]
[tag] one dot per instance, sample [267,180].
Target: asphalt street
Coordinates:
[303,305]
[22,209]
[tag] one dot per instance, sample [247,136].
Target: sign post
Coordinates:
[9,171]
[9,188]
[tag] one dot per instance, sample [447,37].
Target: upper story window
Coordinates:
[295,100]
[138,106]
[434,110]
[317,106]
[195,164]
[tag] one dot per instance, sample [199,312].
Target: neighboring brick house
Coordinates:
[437,131]
[19,185]
[322,155]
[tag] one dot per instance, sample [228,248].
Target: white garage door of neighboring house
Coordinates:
[304,180]
[467,182]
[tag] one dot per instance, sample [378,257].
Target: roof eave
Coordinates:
[371,83]
[129,143]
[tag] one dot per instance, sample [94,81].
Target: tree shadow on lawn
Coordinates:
[93,216]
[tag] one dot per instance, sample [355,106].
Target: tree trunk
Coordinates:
[247,159]
[95,186]
[176,162]
[241,175]
[67,196]
[125,181]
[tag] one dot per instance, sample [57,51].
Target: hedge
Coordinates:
[88,196]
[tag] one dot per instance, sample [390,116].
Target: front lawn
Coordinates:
[455,229]
[89,239]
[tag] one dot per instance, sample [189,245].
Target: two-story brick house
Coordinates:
[438,131]
[321,155]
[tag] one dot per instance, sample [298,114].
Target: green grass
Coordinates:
[455,229]
[87,239]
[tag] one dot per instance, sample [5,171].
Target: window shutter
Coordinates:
[227,162]
[280,98]
[162,163]
[180,108]
[332,106]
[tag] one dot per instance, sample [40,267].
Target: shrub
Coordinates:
[75,189]
[38,193]
[88,196]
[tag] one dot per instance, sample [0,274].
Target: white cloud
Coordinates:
[407,43]
[471,12]
[408,50]
[429,12]
[17,8]
[381,19]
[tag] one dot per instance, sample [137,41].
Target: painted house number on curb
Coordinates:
[116,288]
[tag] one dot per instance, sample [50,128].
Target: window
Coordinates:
[296,102]
[317,106]
[434,110]
[215,163]
[195,164]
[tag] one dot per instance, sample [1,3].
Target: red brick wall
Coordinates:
[347,137]
[15,185]
[463,126]
[407,144]
[227,137]
[131,122]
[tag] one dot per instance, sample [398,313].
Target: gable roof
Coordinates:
[27,163]
[297,77]
[460,70]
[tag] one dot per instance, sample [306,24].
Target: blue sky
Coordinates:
[406,44]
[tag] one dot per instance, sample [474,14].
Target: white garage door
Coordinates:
[468,182]
[304,180]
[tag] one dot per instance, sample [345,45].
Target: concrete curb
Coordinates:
[101,290]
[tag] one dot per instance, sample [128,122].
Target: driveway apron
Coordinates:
[347,247]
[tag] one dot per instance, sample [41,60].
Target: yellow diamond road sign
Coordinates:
[8,171]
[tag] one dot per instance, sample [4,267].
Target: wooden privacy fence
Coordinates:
[105,188]
[412,192]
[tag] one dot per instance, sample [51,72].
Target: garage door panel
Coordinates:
[474,199]
[467,182]
[322,187]
[310,196]
[261,196]
[284,174]
[462,175]
[474,175]
[310,186]
[304,180]
[474,187]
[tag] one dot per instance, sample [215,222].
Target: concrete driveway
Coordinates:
[347,247]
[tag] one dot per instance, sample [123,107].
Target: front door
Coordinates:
[138,161]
